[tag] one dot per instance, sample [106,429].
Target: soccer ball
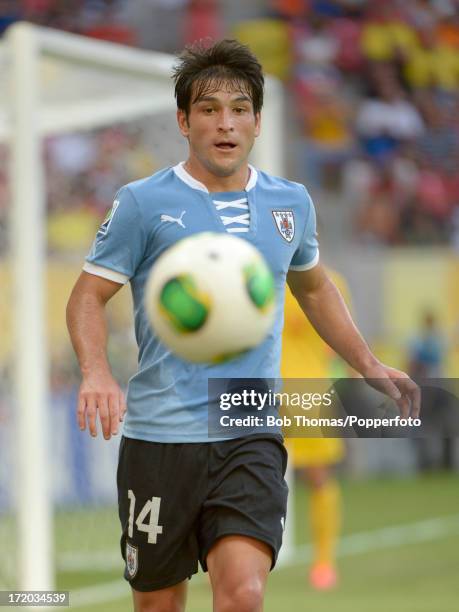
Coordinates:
[210,297]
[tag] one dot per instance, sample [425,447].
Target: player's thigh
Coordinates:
[234,557]
[171,599]
[238,569]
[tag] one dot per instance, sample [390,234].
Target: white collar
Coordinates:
[186,177]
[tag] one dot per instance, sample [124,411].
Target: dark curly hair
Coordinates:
[227,64]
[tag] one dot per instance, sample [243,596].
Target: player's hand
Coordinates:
[101,394]
[398,386]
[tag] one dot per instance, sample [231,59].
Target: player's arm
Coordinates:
[325,308]
[87,325]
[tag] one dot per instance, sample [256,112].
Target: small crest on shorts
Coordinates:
[282,521]
[285,222]
[132,559]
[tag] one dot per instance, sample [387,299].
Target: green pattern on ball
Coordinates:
[260,284]
[184,306]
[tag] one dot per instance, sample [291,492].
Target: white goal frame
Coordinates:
[24,124]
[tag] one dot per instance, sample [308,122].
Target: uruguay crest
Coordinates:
[132,559]
[285,222]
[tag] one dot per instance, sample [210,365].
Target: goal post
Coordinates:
[33,112]
[28,248]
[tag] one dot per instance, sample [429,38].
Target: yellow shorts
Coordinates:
[311,452]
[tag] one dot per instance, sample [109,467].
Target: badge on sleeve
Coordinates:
[103,229]
[285,222]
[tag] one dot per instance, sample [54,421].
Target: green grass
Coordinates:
[405,577]
[417,578]
[373,504]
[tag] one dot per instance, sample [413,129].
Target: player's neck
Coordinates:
[214,183]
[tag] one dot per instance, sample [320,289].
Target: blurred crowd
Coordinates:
[83,171]
[374,91]
[97,18]
[162,25]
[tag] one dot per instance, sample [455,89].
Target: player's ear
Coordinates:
[182,120]
[257,124]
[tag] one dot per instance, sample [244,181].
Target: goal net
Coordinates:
[82,117]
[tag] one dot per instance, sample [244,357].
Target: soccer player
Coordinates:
[183,497]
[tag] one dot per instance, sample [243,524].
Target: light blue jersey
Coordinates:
[167,397]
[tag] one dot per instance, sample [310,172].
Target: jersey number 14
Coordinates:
[151,527]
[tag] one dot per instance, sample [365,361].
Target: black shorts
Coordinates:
[176,500]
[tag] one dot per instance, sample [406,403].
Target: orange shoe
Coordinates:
[323,577]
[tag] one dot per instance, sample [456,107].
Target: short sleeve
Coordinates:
[307,254]
[120,242]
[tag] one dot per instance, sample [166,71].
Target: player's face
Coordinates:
[221,128]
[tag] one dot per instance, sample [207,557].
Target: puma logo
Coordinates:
[177,220]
